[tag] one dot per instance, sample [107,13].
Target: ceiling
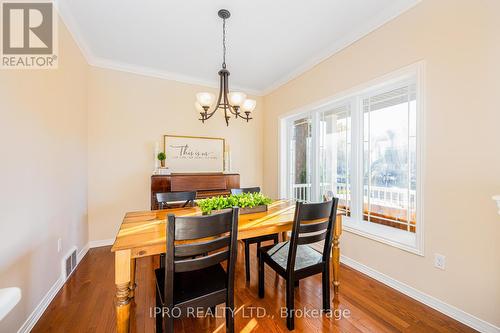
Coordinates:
[269,42]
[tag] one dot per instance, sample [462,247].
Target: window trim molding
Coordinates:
[416,70]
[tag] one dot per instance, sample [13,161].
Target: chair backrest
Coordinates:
[164,198]
[245,190]
[215,234]
[313,222]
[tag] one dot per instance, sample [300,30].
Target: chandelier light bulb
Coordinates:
[249,105]
[205,99]
[237,98]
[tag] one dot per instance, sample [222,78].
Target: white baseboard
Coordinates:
[447,309]
[49,296]
[101,242]
[40,308]
[82,253]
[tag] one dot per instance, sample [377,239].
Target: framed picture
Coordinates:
[192,154]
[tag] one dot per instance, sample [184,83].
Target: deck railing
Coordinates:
[393,197]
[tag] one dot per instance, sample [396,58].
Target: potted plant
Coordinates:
[248,203]
[162,157]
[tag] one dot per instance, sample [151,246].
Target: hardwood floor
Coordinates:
[85,303]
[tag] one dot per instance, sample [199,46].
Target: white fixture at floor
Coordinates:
[9,297]
[497,199]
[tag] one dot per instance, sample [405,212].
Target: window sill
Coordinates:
[401,239]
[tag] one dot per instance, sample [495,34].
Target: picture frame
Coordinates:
[194,154]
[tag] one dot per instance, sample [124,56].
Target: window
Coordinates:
[334,152]
[364,149]
[300,158]
[389,153]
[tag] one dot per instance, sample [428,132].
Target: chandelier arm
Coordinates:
[233,111]
[221,85]
[217,105]
[226,102]
[242,117]
[238,114]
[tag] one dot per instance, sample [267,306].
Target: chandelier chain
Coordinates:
[224,43]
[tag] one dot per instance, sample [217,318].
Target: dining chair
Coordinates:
[295,259]
[199,282]
[259,239]
[165,198]
[245,190]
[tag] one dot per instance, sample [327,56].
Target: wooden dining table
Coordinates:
[143,234]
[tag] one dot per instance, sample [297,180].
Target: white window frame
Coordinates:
[411,242]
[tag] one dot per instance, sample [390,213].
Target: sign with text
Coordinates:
[29,35]
[194,154]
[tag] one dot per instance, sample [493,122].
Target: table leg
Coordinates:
[122,281]
[133,285]
[336,254]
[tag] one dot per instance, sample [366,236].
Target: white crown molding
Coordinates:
[95,61]
[151,72]
[445,308]
[371,25]
[70,23]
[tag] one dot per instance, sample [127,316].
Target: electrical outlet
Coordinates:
[439,261]
[59,245]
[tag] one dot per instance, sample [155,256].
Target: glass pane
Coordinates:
[334,150]
[301,159]
[389,182]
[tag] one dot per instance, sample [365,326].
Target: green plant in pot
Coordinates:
[162,157]
[243,200]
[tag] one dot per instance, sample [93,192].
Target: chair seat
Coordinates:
[193,284]
[278,253]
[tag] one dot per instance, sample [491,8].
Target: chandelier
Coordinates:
[233,103]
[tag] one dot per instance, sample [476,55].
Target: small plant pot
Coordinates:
[243,211]
[256,209]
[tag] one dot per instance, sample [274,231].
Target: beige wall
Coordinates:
[128,113]
[460,43]
[80,127]
[43,195]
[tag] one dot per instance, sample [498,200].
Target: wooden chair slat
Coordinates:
[188,265]
[313,227]
[303,240]
[186,250]
[187,228]
[314,211]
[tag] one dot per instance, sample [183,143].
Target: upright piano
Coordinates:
[205,184]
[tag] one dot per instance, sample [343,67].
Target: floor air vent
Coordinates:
[69,263]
